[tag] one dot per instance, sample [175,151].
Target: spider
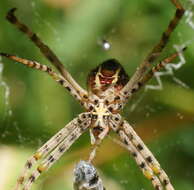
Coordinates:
[109,89]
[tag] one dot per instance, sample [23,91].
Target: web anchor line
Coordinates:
[169,70]
[3,84]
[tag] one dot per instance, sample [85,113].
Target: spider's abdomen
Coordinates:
[108,76]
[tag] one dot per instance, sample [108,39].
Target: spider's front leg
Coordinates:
[145,78]
[47,52]
[156,51]
[52,150]
[141,153]
[57,77]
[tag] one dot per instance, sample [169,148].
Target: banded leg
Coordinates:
[147,155]
[154,69]
[51,144]
[46,51]
[57,77]
[141,162]
[119,124]
[156,51]
[55,155]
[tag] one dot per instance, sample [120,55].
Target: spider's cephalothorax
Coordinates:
[110,76]
[109,88]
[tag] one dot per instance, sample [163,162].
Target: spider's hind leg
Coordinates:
[140,160]
[147,155]
[47,52]
[96,141]
[142,155]
[51,151]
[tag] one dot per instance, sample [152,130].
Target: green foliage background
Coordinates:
[40,107]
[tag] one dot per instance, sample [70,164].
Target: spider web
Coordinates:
[170,69]
[4,85]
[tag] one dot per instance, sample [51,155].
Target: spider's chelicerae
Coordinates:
[109,89]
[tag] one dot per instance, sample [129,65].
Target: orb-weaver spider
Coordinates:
[109,88]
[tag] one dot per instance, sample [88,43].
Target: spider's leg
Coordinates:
[56,154]
[146,154]
[96,142]
[46,51]
[147,63]
[92,155]
[49,146]
[153,70]
[141,162]
[93,152]
[78,126]
[57,77]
